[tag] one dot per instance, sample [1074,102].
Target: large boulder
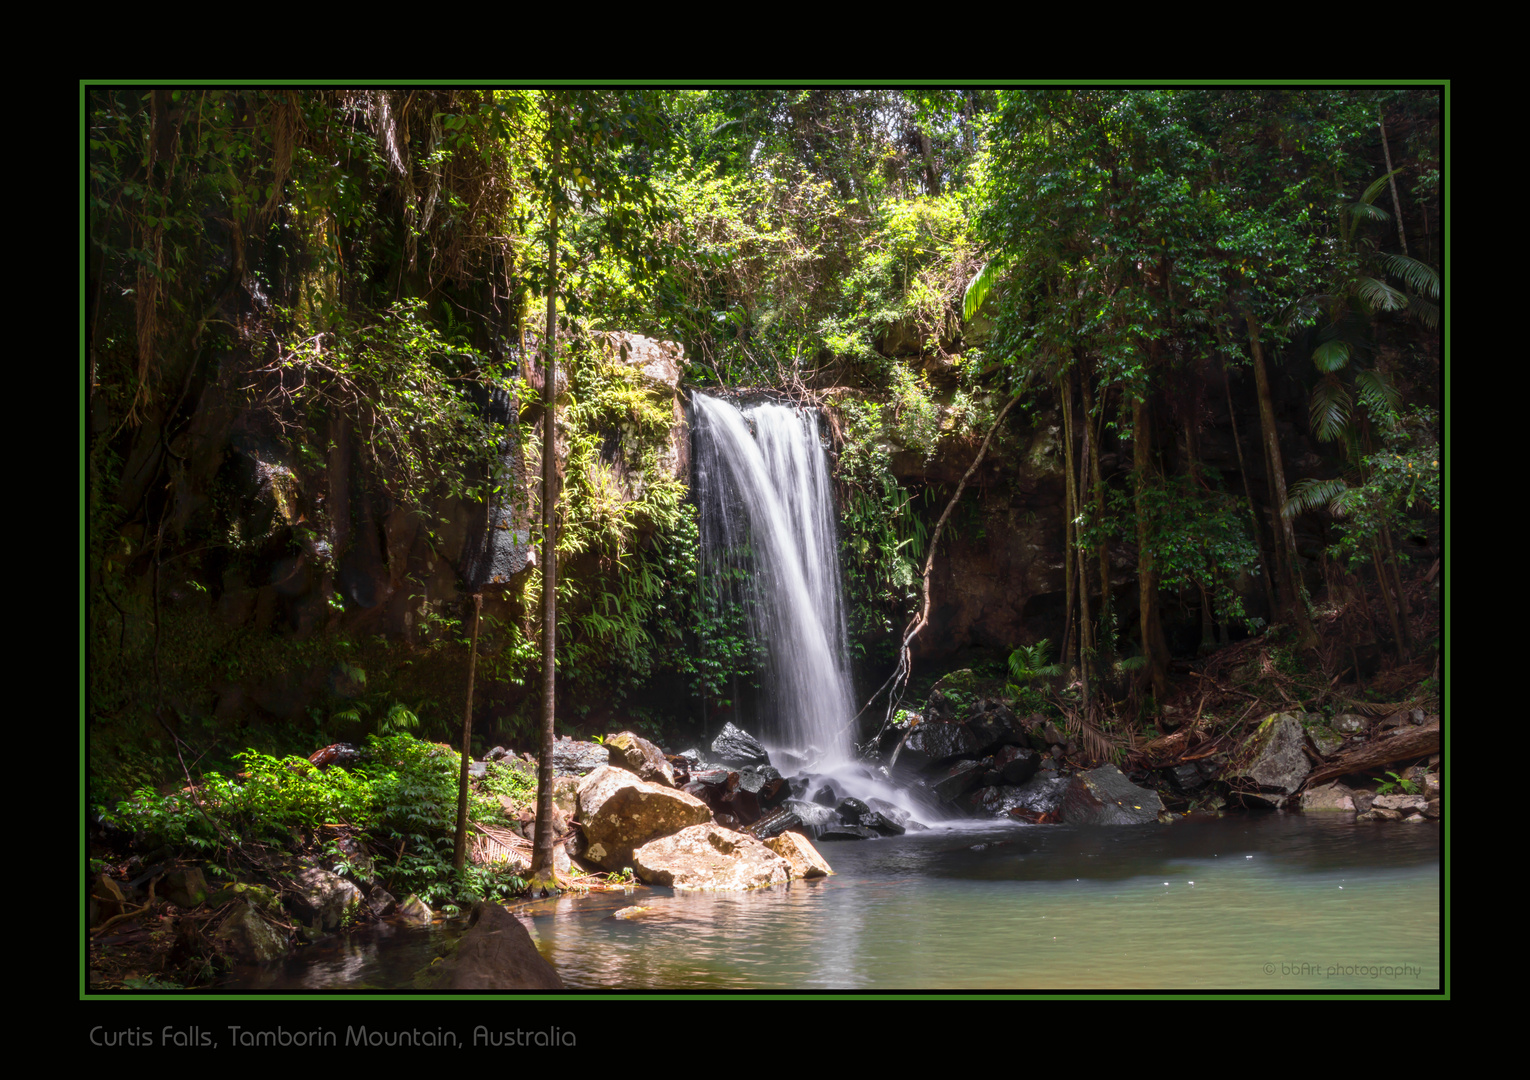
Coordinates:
[574,758]
[1273,761]
[736,747]
[248,936]
[710,858]
[637,755]
[495,953]
[322,900]
[803,857]
[1104,796]
[619,813]
[931,745]
[1328,798]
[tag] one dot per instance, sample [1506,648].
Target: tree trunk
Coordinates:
[459,850]
[1248,493]
[1155,652]
[1296,605]
[1070,511]
[542,872]
[1402,237]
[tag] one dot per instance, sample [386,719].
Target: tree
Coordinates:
[587,182]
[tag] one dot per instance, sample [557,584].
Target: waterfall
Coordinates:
[767,527]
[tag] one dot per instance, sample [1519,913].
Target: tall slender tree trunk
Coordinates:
[542,871]
[1104,657]
[1296,605]
[1070,511]
[1402,237]
[459,849]
[1155,651]
[1248,494]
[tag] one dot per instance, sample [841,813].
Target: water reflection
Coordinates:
[1278,902]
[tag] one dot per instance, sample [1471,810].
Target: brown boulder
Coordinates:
[710,858]
[619,812]
[496,953]
[637,755]
[803,857]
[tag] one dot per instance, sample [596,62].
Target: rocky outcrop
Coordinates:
[323,901]
[803,857]
[618,813]
[495,953]
[1104,796]
[710,858]
[639,756]
[1272,764]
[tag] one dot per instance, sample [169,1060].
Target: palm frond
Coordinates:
[1330,409]
[1378,295]
[1368,212]
[1377,392]
[1331,355]
[1416,275]
[1377,185]
[979,288]
[1304,311]
[1313,494]
[1424,311]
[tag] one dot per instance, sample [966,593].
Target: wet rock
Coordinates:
[639,756]
[851,810]
[736,747]
[619,813]
[1328,798]
[323,900]
[1104,796]
[249,937]
[842,831]
[1016,764]
[494,953]
[1185,777]
[574,758]
[958,780]
[931,745]
[828,795]
[1378,813]
[710,858]
[801,855]
[1042,794]
[382,902]
[414,911]
[1273,758]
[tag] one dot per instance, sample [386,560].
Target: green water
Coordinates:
[1278,902]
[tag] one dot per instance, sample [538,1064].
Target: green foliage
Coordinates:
[1199,538]
[402,801]
[881,533]
[1397,783]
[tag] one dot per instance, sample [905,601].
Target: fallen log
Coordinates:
[1399,745]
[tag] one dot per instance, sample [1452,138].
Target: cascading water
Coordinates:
[767,510]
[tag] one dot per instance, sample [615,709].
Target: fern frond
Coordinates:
[1416,275]
[1378,295]
[1331,408]
[1377,393]
[1331,355]
[1313,494]
[979,288]
[1424,311]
